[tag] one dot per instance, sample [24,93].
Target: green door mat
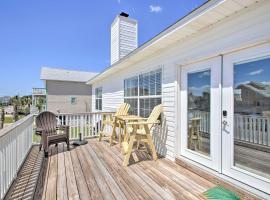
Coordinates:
[220,193]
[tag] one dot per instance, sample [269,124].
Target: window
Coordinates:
[143,92]
[73,100]
[98,94]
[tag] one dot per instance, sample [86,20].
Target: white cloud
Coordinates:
[206,73]
[259,71]
[198,91]
[266,83]
[155,9]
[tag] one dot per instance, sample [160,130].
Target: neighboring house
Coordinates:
[255,96]
[66,91]
[213,37]
[4,100]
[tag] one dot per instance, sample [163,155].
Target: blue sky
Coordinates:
[70,34]
[257,70]
[199,82]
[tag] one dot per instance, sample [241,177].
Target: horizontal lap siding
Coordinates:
[243,28]
[113,96]
[169,102]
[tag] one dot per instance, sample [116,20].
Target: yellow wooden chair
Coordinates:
[111,121]
[140,131]
[194,134]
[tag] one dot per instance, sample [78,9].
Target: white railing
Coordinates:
[247,128]
[15,143]
[252,129]
[88,124]
[204,120]
[16,140]
[38,91]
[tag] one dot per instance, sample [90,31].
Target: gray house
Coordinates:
[66,91]
[253,96]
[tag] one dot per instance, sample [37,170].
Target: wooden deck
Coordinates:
[95,171]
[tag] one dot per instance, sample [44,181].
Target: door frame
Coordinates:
[214,160]
[228,167]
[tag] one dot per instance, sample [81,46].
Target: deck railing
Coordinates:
[17,139]
[252,129]
[39,91]
[15,143]
[204,122]
[247,128]
[88,124]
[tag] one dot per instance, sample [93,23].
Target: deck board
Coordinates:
[95,171]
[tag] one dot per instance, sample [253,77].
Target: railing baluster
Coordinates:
[15,143]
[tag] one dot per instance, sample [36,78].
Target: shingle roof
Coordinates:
[65,75]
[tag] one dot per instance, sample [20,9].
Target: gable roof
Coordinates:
[65,75]
[204,16]
[258,88]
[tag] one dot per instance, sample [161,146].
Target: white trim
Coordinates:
[212,160]
[228,101]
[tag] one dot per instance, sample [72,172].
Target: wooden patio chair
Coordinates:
[112,121]
[141,132]
[46,123]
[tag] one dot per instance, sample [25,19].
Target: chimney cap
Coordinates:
[124,14]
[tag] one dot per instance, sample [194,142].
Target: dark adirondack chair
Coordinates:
[46,123]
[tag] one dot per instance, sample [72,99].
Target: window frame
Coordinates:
[73,102]
[138,97]
[97,98]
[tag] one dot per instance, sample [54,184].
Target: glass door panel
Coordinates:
[199,111]
[252,116]
[246,125]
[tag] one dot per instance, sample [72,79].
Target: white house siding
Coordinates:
[124,39]
[115,41]
[245,28]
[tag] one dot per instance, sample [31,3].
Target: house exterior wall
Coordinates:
[240,30]
[59,94]
[252,102]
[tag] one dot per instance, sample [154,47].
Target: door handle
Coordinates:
[225,123]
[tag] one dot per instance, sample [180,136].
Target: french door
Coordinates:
[225,115]
[246,116]
[201,113]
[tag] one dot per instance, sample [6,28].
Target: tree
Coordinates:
[40,103]
[2,117]
[16,103]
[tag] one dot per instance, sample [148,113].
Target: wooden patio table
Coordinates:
[129,139]
[122,120]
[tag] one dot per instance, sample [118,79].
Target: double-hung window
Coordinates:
[143,92]
[98,95]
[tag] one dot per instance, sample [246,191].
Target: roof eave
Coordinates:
[169,32]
